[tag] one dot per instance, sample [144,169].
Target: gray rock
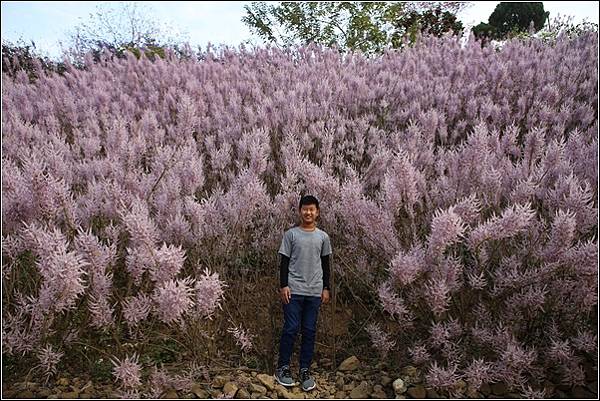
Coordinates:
[219,381]
[349,364]
[385,380]
[399,386]
[230,389]
[485,389]
[361,391]
[170,393]
[242,394]
[257,388]
[417,391]
[267,380]
[199,391]
[499,388]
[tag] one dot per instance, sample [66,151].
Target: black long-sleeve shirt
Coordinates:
[284,266]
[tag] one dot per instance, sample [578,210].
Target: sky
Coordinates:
[48,23]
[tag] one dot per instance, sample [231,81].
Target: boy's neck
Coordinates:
[310,227]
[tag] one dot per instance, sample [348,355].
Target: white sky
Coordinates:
[48,22]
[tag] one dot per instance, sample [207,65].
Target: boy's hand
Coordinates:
[285,294]
[325,296]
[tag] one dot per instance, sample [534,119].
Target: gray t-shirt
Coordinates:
[305,248]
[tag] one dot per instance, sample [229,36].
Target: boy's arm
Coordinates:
[326,271]
[284,266]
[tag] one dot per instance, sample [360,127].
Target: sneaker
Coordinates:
[308,382]
[283,375]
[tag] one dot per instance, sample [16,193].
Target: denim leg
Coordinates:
[291,324]
[310,313]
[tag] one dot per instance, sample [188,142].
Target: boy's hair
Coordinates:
[308,200]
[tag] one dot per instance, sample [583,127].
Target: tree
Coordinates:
[510,18]
[119,27]
[366,26]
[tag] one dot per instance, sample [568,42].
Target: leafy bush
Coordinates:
[458,185]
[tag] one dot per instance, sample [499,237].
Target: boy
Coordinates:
[304,284]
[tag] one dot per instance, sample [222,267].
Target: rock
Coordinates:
[219,381]
[460,387]
[514,395]
[485,389]
[26,394]
[63,381]
[361,391]
[170,393]
[43,392]
[385,380]
[257,388]
[349,364]
[229,389]
[431,393]
[399,386]
[417,391]
[267,380]
[499,388]
[339,383]
[582,392]
[70,394]
[349,387]
[378,392]
[242,394]
[340,394]
[199,391]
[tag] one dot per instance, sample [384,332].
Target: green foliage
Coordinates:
[484,31]
[369,27]
[511,18]
[21,56]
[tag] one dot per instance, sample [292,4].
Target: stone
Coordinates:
[170,393]
[219,381]
[340,394]
[267,380]
[582,392]
[70,394]
[361,391]
[431,393]
[485,389]
[514,395]
[349,364]
[460,387]
[349,387]
[43,392]
[417,391]
[26,394]
[199,391]
[385,380]
[229,389]
[242,394]
[63,381]
[257,388]
[378,392]
[499,388]
[399,386]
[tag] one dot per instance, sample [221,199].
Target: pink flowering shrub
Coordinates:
[458,184]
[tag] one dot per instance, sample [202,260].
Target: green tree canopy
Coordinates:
[366,26]
[511,17]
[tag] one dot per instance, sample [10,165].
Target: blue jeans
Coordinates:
[301,312]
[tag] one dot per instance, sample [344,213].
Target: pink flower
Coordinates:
[173,299]
[128,372]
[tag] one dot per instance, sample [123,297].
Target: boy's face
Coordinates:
[309,213]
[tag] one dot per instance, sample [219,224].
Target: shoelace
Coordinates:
[285,372]
[304,375]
